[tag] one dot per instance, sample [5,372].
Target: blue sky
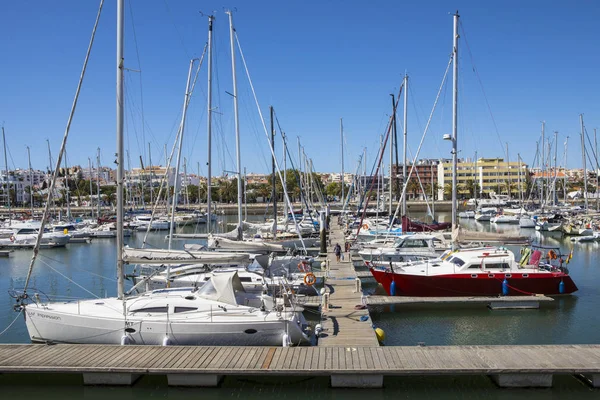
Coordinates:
[314,62]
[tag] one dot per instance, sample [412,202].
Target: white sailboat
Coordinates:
[220,313]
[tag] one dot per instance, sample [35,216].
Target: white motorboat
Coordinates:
[526,222]
[408,248]
[505,219]
[25,234]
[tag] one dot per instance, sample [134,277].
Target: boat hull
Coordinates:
[45,325]
[478,284]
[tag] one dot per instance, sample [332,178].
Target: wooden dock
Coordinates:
[344,324]
[495,303]
[349,366]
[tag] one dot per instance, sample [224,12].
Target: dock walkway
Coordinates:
[349,366]
[344,324]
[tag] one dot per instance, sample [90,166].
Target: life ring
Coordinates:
[310,279]
[12,238]
[365,226]
[552,255]
[303,266]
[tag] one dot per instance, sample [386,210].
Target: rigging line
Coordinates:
[36,248]
[422,140]
[67,278]
[137,53]
[180,36]
[476,71]
[285,191]
[79,269]
[12,323]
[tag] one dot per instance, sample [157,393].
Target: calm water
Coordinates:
[90,267]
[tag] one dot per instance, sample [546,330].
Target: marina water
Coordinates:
[87,270]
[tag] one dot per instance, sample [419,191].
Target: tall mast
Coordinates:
[7,179]
[342,141]
[454,118]
[236,123]
[273,183]
[564,171]
[555,173]
[120,99]
[50,169]
[284,147]
[300,174]
[91,188]
[209,129]
[405,133]
[246,196]
[509,182]
[98,182]
[543,148]
[597,178]
[67,189]
[585,190]
[151,170]
[185,179]
[30,181]
[186,101]
[393,142]
[519,179]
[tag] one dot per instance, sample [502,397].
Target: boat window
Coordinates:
[414,243]
[185,309]
[457,261]
[151,310]
[208,289]
[496,266]
[245,279]
[27,231]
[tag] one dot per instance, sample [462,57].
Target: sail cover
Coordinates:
[222,286]
[163,256]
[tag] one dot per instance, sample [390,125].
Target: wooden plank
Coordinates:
[266,364]
[207,354]
[191,350]
[242,362]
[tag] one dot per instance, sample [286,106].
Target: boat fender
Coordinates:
[12,238]
[318,329]
[505,287]
[285,340]
[380,334]
[561,287]
[125,340]
[166,341]
[393,288]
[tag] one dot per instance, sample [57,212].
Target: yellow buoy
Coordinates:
[380,333]
[65,231]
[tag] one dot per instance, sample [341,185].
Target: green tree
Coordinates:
[334,189]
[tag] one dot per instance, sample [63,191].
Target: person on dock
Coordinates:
[338,251]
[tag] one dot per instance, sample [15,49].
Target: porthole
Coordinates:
[507,275]
[250,331]
[525,275]
[490,275]
[473,275]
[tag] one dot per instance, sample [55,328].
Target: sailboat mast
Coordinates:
[186,101]
[554,197]
[405,133]
[67,189]
[98,182]
[120,103]
[150,169]
[392,148]
[7,180]
[236,123]
[564,171]
[209,129]
[454,119]
[50,170]
[284,147]
[91,188]
[585,190]
[273,183]
[30,181]
[342,141]
[542,147]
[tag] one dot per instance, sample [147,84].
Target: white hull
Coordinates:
[219,329]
